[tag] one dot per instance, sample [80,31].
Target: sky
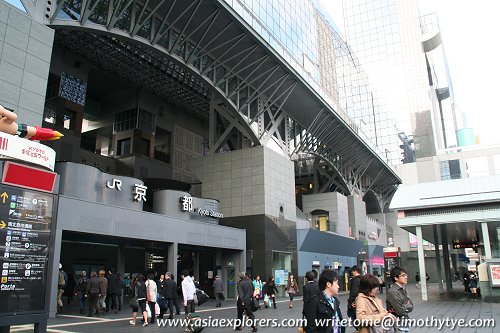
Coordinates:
[470,37]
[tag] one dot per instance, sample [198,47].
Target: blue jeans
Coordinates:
[81,301]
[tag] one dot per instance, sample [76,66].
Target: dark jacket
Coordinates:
[245,292]
[319,309]
[170,289]
[113,286]
[271,288]
[140,290]
[93,285]
[353,291]
[310,291]
[398,302]
[311,294]
[160,285]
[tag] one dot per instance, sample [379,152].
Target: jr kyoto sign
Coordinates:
[26,150]
[187,206]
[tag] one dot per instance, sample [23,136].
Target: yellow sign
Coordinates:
[4,196]
[4,279]
[2,224]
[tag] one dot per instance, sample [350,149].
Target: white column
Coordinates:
[486,240]
[421,263]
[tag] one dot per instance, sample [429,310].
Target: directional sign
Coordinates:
[25,225]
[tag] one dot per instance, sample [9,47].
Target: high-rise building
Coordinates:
[403,55]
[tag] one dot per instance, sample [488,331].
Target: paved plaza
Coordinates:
[453,305]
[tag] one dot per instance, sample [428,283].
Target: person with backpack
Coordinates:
[81,290]
[61,284]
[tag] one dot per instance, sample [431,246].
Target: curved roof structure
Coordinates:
[189,51]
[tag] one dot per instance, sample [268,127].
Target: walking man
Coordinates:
[218,291]
[245,293]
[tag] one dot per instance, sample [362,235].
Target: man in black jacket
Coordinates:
[353,291]
[324,310]
[245,298]
[169,293]
[113,290]
[311,293]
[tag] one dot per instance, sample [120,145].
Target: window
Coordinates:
[450,169]
[123,147]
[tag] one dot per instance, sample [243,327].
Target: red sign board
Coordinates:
[390,254]
[28,177]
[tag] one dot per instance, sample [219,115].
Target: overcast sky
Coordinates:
[470,37]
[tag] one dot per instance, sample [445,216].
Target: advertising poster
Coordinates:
[25,222]
[494,274]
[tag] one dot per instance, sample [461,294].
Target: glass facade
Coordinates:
[305,36]
[412,78]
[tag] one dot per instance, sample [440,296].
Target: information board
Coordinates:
[25,224]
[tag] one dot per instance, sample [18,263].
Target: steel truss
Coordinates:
[200,55]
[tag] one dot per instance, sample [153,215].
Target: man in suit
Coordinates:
[311,292]
[244,302]
[218,290]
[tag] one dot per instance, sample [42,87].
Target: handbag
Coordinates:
[134,303]
[222,297]
[378,328]
[254,306]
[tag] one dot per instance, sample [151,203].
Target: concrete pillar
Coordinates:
[120,262]
[421,263]
[172,259]
[486,240]
[446,258]
[196,267]
[438,259]
[56,258]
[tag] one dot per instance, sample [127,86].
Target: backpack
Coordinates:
[62,280]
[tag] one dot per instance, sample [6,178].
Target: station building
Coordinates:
[197,138]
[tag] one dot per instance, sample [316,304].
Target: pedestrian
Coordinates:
[417,280]
[310,295]
[272,290]
[127,285]
[257,289]
[151,295]
[473,285]
[103,290]
[466,282]
[113,289]
[160,298]
[81,290]
[369,307]
[325,308]
[427,279]
[62,279]
[398,302]
[218,291]
[139,291]
[69,290]
[243,303]
[120,291]
[188,290]
[353,291]
[177,295]
[169,293]
[291,288]
[381,284]
[93,293]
